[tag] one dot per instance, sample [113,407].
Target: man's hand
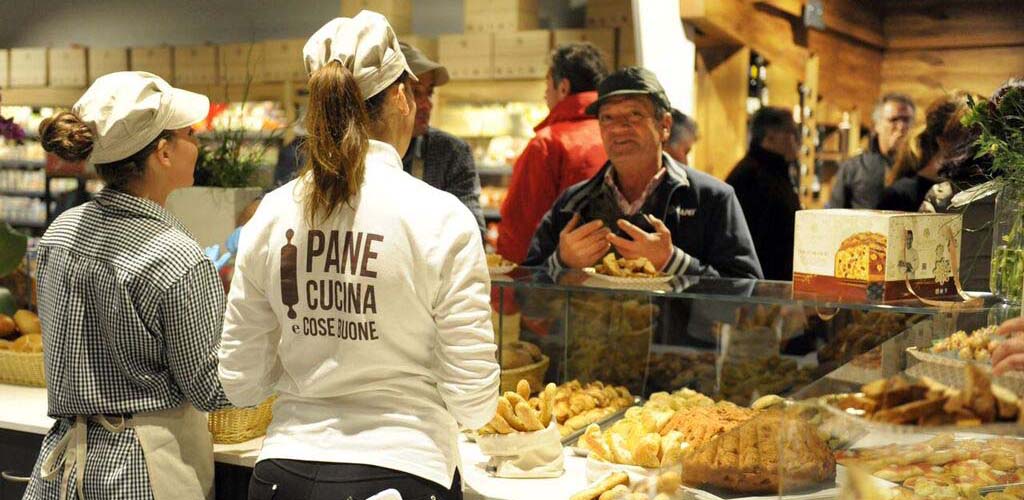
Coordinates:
[656,247]
[1009,356]
[579,247]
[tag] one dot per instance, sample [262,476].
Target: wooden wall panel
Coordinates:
[955,24]
[721,109]
[928,74]
[850,72]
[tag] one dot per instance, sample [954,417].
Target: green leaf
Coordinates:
[12,248]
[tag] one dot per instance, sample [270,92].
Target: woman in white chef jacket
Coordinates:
[131,308]
[360,296]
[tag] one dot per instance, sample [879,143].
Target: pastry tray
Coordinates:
[950,371]
[602,423]
[852,419]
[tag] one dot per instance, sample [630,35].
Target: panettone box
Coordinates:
[870,255]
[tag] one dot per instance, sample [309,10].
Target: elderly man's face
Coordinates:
[630,130]
[423,93]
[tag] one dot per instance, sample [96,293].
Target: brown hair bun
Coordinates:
[66,136]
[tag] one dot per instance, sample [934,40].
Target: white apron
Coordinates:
[176,444]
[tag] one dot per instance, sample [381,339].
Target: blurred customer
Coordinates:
[434,156]
[703,231]
[765,189]
[917,164]
[861,179]
[566,149]
[682,138]
[964,172]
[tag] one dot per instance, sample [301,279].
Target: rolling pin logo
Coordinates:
[289,279]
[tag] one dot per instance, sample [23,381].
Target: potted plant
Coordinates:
[1000,121]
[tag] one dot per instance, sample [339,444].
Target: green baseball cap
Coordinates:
[632,80]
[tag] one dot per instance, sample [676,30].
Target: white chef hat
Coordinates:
[365,44]
[127,110]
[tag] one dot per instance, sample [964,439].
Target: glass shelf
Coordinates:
[744,291]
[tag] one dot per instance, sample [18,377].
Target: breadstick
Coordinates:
[544,404]
[529,417]
[514,398]
[506,412]
[594,492]
[523,388]
[500,425]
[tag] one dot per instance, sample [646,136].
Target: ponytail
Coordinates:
[337,142]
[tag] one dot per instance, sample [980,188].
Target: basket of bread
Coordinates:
[21,349]
[496,264]
[522,438]
[237,425]
[522,361]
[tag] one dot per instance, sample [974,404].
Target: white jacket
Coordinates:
[373,329]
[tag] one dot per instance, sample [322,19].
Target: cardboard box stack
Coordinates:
[106,60]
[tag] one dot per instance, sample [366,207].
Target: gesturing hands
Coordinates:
[656,246]
[583,246]
[1009,356]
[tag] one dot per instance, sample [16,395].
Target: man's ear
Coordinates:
[666,126]
[564,87]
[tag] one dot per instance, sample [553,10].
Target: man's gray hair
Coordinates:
[683,126]
[876,115]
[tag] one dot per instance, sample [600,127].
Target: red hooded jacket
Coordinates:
[566,150]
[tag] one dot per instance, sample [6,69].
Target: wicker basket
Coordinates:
[237,425]
[534,374]
[22,368]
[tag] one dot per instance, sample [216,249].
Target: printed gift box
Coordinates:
[875,256]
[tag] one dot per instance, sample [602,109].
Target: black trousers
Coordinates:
[280,479]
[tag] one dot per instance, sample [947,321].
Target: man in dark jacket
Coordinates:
[434,156]
[643,203]
[861,179]
[765,189]
[566,149]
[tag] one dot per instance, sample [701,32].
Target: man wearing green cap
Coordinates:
[643,203]
[436,157]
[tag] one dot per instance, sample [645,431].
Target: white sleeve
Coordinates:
[466,369]
[249,367]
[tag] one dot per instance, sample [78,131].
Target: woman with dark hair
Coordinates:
[131,308]
[964,190]
[917,164]
[360,296]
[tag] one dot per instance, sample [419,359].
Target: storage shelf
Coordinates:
[493,169]
[27,224]
[22,164]
[249,135]
[22,194]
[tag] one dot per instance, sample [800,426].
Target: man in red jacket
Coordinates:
[566,149]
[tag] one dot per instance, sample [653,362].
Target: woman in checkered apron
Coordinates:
[131,308]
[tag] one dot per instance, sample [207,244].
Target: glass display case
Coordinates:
[798,374]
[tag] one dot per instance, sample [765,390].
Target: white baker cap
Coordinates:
[364,44]
[129,109]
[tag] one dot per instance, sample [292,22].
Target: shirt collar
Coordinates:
[384,153]
[628,207]
[113,200]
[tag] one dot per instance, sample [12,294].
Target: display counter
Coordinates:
[721,340]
